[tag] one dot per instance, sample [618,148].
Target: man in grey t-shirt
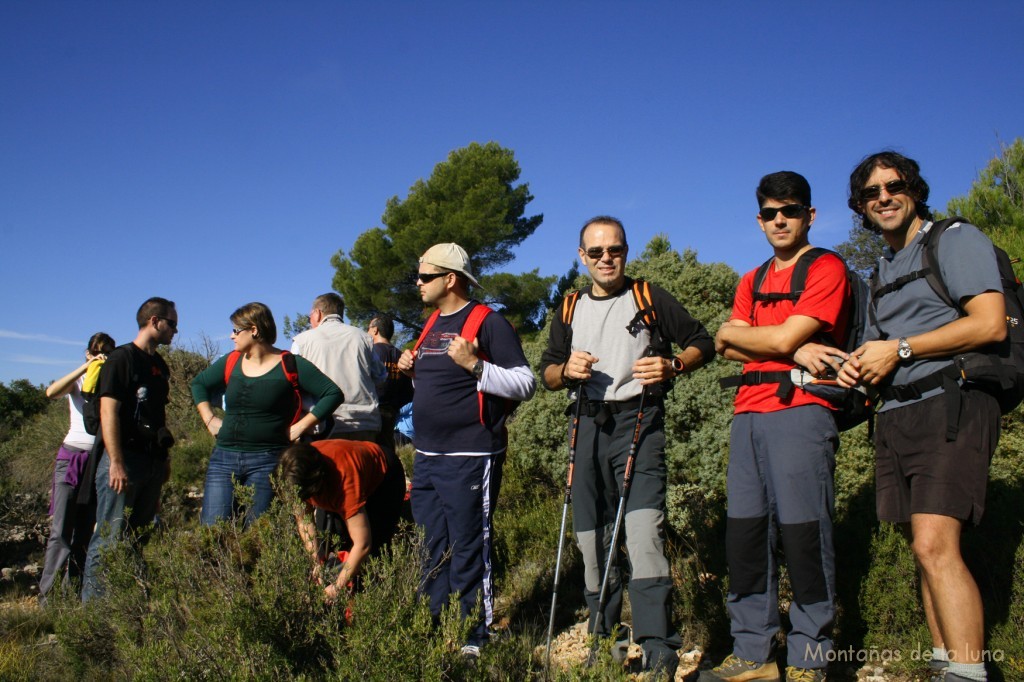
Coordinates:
[934,442]
[602,352]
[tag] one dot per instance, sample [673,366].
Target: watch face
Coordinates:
[904,350]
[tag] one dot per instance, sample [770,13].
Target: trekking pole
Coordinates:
[627,480]
[565,513]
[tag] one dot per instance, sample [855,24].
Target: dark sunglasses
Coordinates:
[170,323]
[789,211]
[893,187]
[427,277]
[236,332]
[596,252]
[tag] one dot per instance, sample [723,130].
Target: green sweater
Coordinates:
[259,410]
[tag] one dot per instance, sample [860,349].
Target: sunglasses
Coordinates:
[596,252]
[170,323]
[893,187]
[236,332]
[789,211]
[427,277]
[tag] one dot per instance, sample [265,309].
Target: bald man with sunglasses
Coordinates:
[617,363]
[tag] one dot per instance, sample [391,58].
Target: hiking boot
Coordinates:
[735,669]
[470,654]
[794,674]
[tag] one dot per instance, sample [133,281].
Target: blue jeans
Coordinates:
[228,467]
[141,497]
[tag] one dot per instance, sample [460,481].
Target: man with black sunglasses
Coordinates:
[623,369]
[134,463]
[782,444]
[469,371]
[933,443]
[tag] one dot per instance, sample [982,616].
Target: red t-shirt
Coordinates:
[359,467]
[826,292]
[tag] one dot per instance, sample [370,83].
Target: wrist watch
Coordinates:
[903,349]
[677,366]
[478,370]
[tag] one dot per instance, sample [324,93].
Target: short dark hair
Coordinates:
[905,167]
[153,307]
[100,343]
[330,304]
[604,220]
[303,466]
[784,185]
[385,327]
[257,315]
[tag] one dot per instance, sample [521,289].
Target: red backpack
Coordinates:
[469,331]
[290,372]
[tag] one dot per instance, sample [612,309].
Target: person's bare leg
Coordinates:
[951,599]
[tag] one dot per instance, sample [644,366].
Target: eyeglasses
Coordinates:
[893,187]
[596,252]
[789,211]
[173,324]
[427,277]
[236,332]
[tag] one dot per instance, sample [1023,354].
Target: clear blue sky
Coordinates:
[218,153]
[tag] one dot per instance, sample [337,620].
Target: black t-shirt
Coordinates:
[140,382]
[397,389]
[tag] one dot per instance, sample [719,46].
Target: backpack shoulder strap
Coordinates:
[426,329]
[569,306]
[291,372]
[930,260]
[229,367]
[290,369]
[641,291]
[797,282]
[471,327]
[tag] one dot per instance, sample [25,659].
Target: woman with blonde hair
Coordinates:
[262,413]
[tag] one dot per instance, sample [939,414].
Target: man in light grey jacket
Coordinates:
[345,354]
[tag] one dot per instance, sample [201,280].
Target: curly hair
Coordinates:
[907,169]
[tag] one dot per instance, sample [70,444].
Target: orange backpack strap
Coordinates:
[644,303]
[569,306]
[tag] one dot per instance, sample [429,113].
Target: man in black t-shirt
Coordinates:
[134,464]
[396,391]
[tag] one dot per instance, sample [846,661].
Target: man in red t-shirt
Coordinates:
[782,446]
[356,480]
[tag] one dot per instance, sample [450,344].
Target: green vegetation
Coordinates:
[470,199]
[233,603]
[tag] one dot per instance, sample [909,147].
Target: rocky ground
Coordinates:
[571,648]
[24,528]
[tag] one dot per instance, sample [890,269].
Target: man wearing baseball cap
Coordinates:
[469,371]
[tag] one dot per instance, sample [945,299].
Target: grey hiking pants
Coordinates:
[601,455]
[780,483]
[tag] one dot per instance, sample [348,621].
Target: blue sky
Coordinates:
[218,153]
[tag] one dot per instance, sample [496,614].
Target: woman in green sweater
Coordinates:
[261,410]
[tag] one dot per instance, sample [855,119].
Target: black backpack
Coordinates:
[997,368]
[91,399]
[853,406]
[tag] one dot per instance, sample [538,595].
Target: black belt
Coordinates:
[602,410]
[947,379]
